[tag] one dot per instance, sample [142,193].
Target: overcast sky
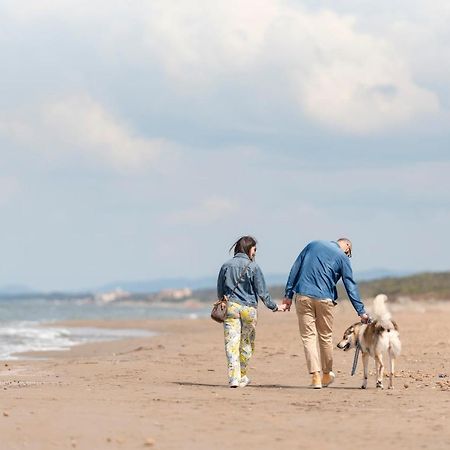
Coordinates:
[139,139]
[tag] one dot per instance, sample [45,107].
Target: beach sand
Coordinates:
[170,391]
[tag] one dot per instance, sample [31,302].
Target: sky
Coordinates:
[140,139]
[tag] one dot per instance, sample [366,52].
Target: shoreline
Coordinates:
[169,391]
[53,338]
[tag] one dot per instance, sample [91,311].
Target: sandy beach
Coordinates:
[170,391]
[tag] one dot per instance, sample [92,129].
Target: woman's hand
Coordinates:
[281,308]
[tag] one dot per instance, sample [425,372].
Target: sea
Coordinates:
[28,325]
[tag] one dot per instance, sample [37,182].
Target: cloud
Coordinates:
[203,41]
[317,61]
[356,82]
[343,78]
[209,211]
[82,127]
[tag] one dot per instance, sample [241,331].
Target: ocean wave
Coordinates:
[25,337]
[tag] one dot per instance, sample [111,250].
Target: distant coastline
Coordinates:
[427,285]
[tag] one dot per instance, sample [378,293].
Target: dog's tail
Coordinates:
[380,312]
[383,317]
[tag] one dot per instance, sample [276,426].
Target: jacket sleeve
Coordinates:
[293,276]
[259,284]
[221,282]
[351,287]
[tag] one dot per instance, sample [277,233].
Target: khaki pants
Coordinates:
[315,322]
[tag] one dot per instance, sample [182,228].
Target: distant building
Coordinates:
[112,296]
[174,294]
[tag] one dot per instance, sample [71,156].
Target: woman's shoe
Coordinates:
[245,380]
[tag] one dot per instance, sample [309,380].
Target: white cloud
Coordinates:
[317,60]
[202,41]
[209,211]
[357,82]
[79,125]
[340,77]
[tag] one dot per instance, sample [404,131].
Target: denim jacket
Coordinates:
[317,270]
[251,286]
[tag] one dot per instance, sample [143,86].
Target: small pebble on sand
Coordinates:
[149,442]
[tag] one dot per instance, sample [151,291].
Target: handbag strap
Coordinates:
[240,277]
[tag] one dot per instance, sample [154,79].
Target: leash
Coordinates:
[357,350]
[355,358]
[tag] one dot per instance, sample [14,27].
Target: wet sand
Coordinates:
[170,391]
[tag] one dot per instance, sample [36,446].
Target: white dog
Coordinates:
[378,337]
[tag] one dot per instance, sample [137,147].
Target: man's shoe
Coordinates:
[328,378]
[245,380]
[316,383]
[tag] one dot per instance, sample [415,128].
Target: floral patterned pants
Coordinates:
[239,331]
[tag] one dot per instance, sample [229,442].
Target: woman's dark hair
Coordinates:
[243,245]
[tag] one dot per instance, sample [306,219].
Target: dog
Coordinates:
[381,336]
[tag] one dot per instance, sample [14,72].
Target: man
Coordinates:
[312,282]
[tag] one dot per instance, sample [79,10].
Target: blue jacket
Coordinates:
[317,270]
[250,287]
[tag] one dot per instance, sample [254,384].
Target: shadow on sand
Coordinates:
[263,386]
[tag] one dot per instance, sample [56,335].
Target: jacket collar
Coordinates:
[241,255]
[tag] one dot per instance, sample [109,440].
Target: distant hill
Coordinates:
[148,286]
[419,286]
[433,285]
[159,284]
[377,274]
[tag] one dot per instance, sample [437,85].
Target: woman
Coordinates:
[242,281]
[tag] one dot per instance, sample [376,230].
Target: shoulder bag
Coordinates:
[219,309]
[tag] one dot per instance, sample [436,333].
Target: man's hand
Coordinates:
[287,302]
[281,308]
[364,318]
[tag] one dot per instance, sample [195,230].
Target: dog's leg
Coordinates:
[365,359]
[380,369]
[391,357]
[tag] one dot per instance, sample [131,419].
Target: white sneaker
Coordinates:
[234,384]
[245,380]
